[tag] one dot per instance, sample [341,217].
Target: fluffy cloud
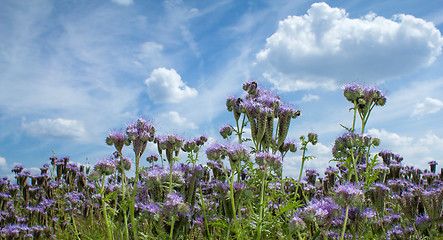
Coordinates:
[325,45]
[416,151]
[322,153]
[166,85]
[58,127]
[428,106]
[173,118]
[123,2]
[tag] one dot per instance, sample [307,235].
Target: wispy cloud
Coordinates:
[58,127]
[310,97]
[124,2]
[428,106]
[325,46]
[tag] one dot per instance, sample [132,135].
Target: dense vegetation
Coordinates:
[239,194]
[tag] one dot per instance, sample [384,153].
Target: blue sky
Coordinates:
[71,71]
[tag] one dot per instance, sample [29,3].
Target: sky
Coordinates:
[72,71]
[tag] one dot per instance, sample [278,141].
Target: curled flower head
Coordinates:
[296,224]
[313,138]
[140,133]
[226,131]
[105,166]
[352,92]
[152,158]
[216,151]
[174,204]
[118,139]
[250,87]
[364,96]
[189,145]
[321,211]
[288,146]
[349,194]
[238,153]
[273,160]
[17,169]
[123,163]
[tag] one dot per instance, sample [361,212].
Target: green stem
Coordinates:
[171,234]
[132,202]
[355,114]
[344,224]
[231,186]
[204,212]
[125,218]
[262,190]
[75,227]
[102,193]
[170,178]
[301,168]
[354,163]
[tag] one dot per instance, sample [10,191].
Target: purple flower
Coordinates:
[123,163]
[226,131]
[238,153]
[288,145]
[105,167]
[321,211]
[140,133]
[152,158]
[349,194]
[270,159]
[174,204]
[118,139]
[216,151]
[190,145]
[17,168]
[296,224]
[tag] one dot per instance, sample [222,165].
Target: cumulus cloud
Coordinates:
[58,127]
[123,2]
[166,85]
[325,46]
[322,153]
[391,138]
[428,106]
[416,151]
[173,118]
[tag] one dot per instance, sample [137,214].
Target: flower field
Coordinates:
[239,193]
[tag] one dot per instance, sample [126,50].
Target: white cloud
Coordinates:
[325,46]
[123,2]
[322,153]
[428,106]
[391,138]
[58,127]
[310,97]
[416,151]
[173,118]
[150,49]
[3,163]
[166,85]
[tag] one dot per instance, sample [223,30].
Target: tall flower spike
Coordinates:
[285,114]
